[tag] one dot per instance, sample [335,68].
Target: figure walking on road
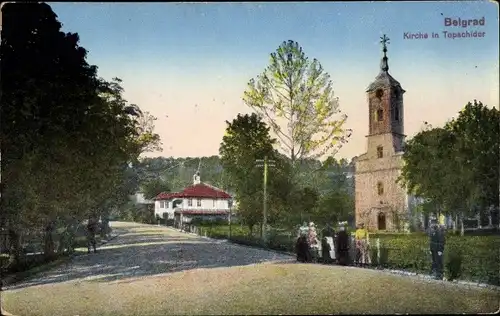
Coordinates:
[91,232]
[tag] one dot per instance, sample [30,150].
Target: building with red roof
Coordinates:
[197,200]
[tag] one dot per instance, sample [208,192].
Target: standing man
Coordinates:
[437,241]
[91,232]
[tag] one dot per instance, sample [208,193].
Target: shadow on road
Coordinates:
[137,253]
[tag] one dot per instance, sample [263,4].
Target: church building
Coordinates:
[381,203]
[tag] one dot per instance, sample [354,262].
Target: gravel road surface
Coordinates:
[144,250]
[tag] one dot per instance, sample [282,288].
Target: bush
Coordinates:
[281,243]
[383,261]
[453,263]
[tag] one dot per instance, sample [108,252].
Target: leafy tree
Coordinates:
[47,88]
[247,139]
[335,206]
[154,187]
[454,167]
[148,140]
[477,130]
[69,131]
[296,92]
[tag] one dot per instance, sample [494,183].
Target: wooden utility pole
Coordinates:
[265,163]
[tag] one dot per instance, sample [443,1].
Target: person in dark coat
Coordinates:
[342,246]
[91,232]
[436,243]
[302,249]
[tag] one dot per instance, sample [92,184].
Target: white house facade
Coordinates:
[198,200]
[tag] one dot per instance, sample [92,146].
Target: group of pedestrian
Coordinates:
[335,246]
[307,243]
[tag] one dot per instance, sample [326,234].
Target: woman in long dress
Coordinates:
[301,246]
[313,242]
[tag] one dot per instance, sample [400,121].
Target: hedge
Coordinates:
[473,258]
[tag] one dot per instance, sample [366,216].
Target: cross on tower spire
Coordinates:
[384,65]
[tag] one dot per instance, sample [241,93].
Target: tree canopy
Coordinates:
[67,135]
[455,167]
[246,139]
[294,96]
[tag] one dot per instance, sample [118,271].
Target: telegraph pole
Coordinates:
[265,163]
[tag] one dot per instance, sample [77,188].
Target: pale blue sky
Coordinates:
[192,61]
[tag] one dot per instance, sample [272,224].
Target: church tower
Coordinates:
[381,203]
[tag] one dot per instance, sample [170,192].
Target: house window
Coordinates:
[379,93]
[380,188]
[380,152]
[198,202]
[380,115]
[162,204]
[190,202]
[167,204]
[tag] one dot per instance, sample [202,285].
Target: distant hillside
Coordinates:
[179,172]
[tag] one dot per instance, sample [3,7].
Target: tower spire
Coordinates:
[196,176]
[384,64]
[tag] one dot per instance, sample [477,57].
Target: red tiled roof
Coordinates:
[202,212]
[200,190]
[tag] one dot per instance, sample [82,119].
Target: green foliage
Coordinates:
[456,167]
[147,140]
[297,92]
[138,213]
[154,187]
[178,172]
[453,263]
[335,206]
[67,135]
[478,143]
[246,140]
[474,258]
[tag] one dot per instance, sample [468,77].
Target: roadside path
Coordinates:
[143,250]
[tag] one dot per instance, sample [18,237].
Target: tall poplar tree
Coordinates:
[294,96]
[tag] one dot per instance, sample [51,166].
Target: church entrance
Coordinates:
[381,221]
